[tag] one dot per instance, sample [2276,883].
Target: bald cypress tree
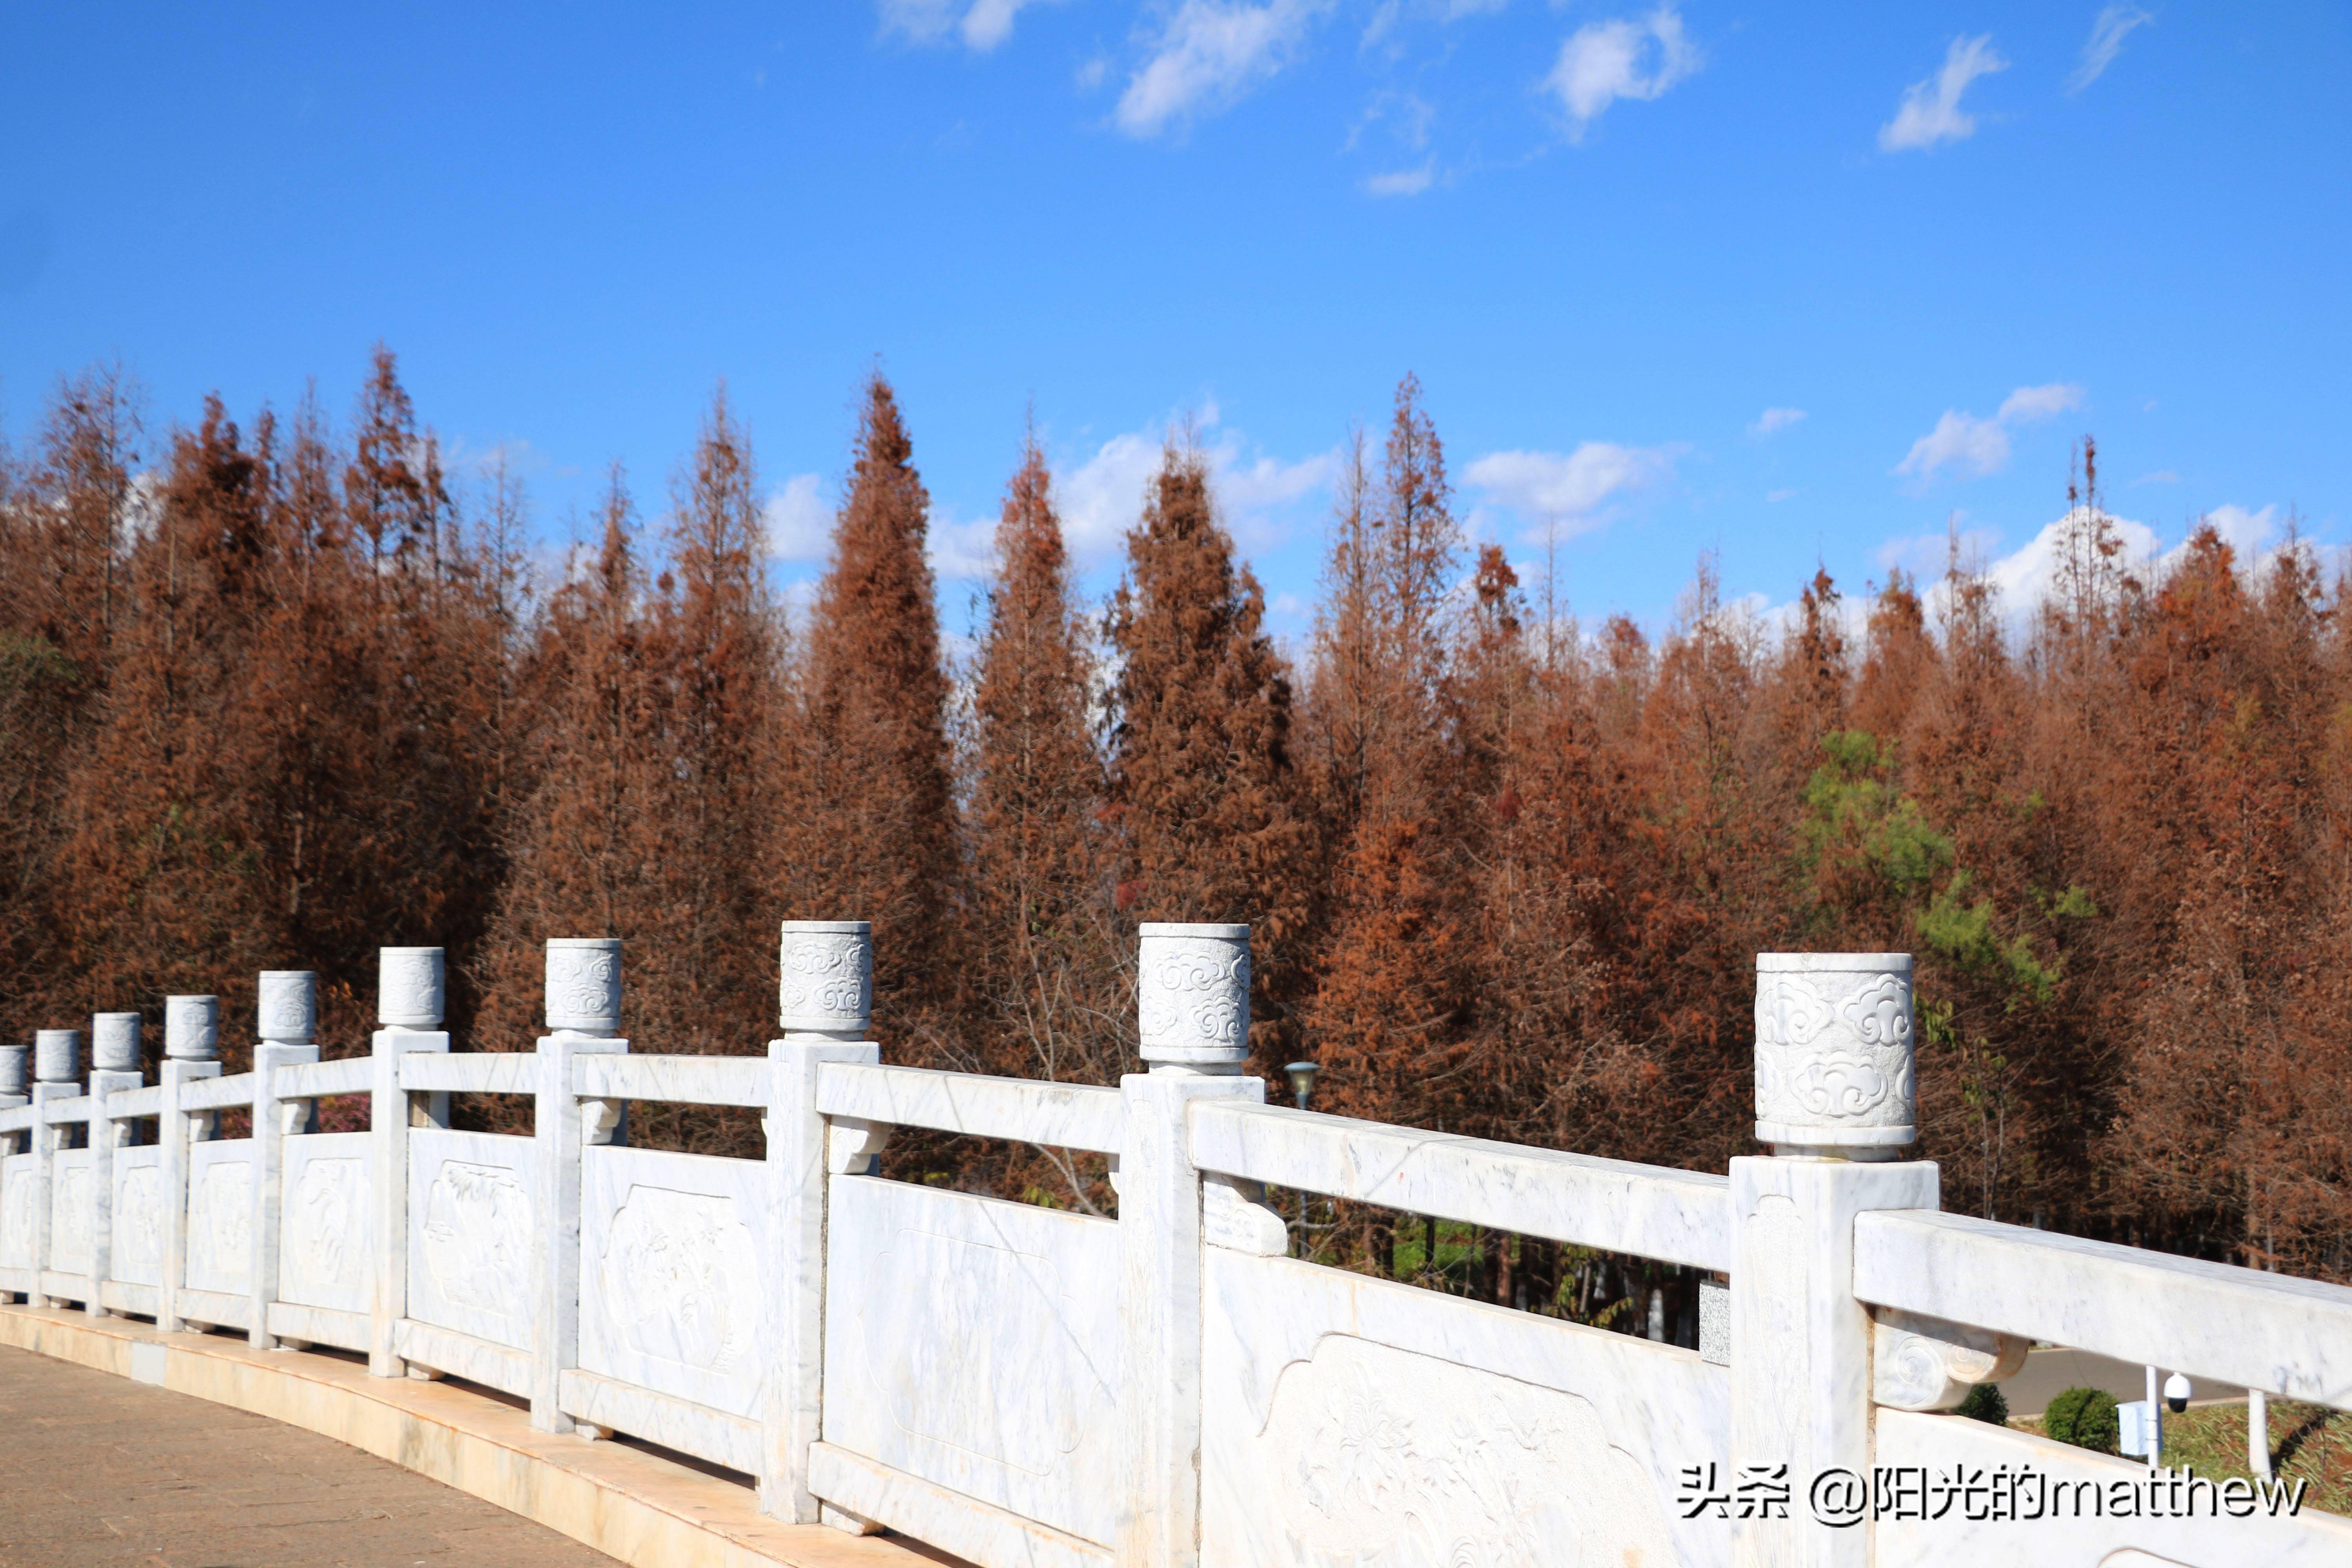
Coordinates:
[1052,1002]
[1387,1008]
[1202,783]
[868,830]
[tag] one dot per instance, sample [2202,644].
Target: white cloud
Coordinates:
[797,522]
[1101,497]
[1604,61]
[2028,403]
[1094,73]
[1931,109]
[1773,420]
[1973,447]
[1772,496]
[982,25]
[959,551]
[1402,182]
[1573,492]
[2114,24]
[1209,55]
[2161,477]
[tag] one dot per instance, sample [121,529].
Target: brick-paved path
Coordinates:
[95,1468]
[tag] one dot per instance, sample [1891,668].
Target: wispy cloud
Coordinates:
[2114,24]
[1570,493]
[1207,57]
[981,24]
[1604,61]
[1970,445]
[1773,420]
[1931,113]
[1402,182]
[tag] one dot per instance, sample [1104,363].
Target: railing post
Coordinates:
[1193,986]
[56,1069]
[1835,1097]
[287,1014]
[15,1078]
[824,1002]
[408,1006]
[191,1051]
[113,1068]
[584,1017]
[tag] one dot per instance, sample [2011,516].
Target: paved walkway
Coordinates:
[95,1468]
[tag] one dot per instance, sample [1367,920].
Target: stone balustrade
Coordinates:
[1015,1383]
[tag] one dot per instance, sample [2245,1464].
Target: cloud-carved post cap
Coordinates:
[57,1055]
[192,1028]
[1834,1051]
[583,985]
[113,1042]
[287,1005]
[824,978]
[1193,995]
[13,1061]
[411,990]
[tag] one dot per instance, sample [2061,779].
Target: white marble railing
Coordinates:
[1019,1384]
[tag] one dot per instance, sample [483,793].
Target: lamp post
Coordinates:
[1302,1080]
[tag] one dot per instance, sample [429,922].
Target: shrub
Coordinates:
[2084,1417]
[1985,1403]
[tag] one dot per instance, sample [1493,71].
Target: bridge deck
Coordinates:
[122,1444]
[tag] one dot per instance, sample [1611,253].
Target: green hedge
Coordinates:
[2084,1417]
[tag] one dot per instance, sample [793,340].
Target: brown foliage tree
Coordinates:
[1047,941]
[1202,781]
[870,831]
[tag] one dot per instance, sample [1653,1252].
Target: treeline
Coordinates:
[273,694]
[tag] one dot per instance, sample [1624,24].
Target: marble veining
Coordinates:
[975,1343]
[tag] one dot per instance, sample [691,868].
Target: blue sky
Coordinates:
[1792,283]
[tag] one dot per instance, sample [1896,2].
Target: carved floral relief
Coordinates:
[69,1217]
[326,1239]
[1387,1456]
[476,1239]
[220,1221]
[139,1226]
[16,1213]
[680,1279]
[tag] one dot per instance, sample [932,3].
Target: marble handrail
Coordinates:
[470,1072]
[216,1093]
[676,1080]
[1054,1115]
[2270,1332]
[314,1080]
[20,1119]
[66,1113]
[124,1103]
[1650,1211]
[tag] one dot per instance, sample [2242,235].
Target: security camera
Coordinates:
[2176,1394]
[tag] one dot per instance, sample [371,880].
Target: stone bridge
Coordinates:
[1017,1386]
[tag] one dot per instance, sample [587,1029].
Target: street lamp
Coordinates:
[1302,1080]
